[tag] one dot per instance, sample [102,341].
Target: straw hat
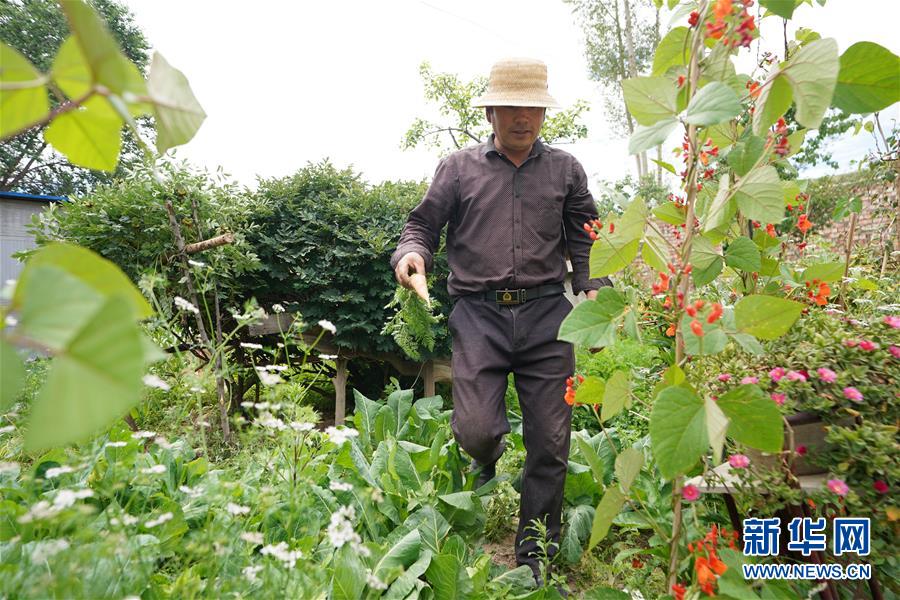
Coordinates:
[517,82]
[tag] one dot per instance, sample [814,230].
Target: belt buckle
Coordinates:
[509,296]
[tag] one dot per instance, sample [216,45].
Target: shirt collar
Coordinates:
[536,149]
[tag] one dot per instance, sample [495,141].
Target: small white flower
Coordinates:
[328,326]
[253,537]
[269,378]
[183,304]
[251,345]
[196,389]
[128,519]
[196,263]
[163,443]
[377,496]
[8,467]
[54,472]
[340,529]
[193,492]
[237,509]
[154,470]
[66,498]
[247,404]
[11,321]
[262,406]
[373,582]
[280,551]
[301,427]
[339,436]
[340,486]
[203,423]
[278,368]
[163,518]
[39,510]
[269,422]
[44,549]
[277,308]
[7,429]
[153,381]
[143,435]
[119,444]
[250,572]
[327,356]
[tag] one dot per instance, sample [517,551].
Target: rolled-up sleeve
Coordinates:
[422,232]
[579,209]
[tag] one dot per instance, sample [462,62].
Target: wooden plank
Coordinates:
[340,391]
[428,376]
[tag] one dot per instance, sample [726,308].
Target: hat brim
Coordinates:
[543,101]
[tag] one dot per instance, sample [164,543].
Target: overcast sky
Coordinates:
[287,82]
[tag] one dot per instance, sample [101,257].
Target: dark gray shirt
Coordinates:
[508,226]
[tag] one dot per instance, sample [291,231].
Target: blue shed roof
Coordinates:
[38,197]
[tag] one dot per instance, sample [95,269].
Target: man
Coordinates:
[514,208]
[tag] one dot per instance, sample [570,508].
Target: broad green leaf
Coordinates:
[364,417]
[520,577]
[178,113]
[664,165]
[716,425]
[90,136]
[831,271]
[748,343]
[868,80]
[592,458]
[812,73]
[406,583]
[723,208]
[678,430]
[672,51]
[630,225]
[774,100]
[400,402]
[782,8]
[743,254]
[108,65]
[654,251]
[707,261]
[670,213]
[770,266]
[865,284]
[743,155]
[71,71]
[448,577]
[612,254]
[593,323]
[13,372]
[615,395]
[349,579]
[607,593]
[628,465]
[101,274]
[759,195]
[671,376]
[650,99]
[402,553]
[590,391]
[577,532]
[766,317]
[754,419]
[713,104]
[95,380]
[724,134]
[432,527]
[712,341]
[650,136]
[609,507]
[23,95]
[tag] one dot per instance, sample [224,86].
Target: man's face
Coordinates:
[516,127]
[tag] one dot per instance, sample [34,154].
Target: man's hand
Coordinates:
[591,294]
[412,262]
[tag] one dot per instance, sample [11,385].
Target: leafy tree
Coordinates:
[619,39]
[462,124]
[37,29]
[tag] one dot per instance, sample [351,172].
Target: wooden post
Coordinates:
[428,376]
[340,391]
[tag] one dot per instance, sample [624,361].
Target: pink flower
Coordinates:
[777,373]
[868,345]
[779,398]
[892,321]
[838,487]
[850,343]
[880,486]
[800,450]
[851,393]
[739,461]
[895,351]
[690,493]
[826,375]
[747,380]
[795,376]
[724,376]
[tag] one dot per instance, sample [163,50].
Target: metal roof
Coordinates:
[37,197]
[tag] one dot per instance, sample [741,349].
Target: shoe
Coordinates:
[488,472]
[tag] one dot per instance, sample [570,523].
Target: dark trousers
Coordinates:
[489,342]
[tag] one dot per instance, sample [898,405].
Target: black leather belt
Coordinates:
[520,296]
